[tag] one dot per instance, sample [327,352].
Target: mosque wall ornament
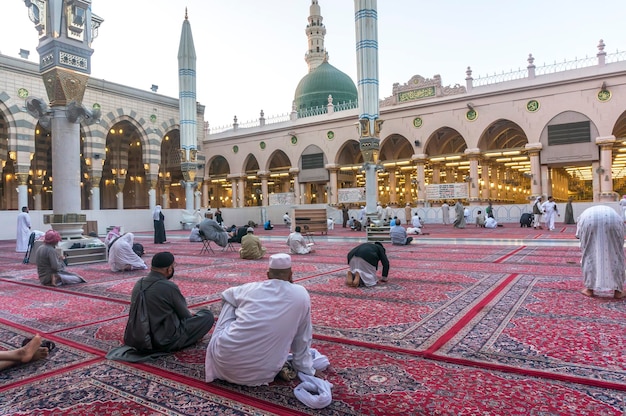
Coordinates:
[262,145]
[153,118]
[235,149]
[418,122]
[294,140]
[604,95]
[330,135]
[532,106]
[22,93]
[471,115]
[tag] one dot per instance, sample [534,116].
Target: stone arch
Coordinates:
[219,190]
[278,160]
[250,165]
[349,153]
[445,141]
[395,147]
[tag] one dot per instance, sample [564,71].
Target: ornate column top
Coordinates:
[419,157]
[332,166]
[294,171]
[604,140]
[533,146]
[475,152]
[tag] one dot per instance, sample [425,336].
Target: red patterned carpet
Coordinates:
[471,322]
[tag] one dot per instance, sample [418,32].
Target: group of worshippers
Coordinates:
[546,213]
[263,332]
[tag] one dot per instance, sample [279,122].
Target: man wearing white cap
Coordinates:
[260,323]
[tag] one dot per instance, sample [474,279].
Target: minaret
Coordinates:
[188,111]
[366,26]
[315,32]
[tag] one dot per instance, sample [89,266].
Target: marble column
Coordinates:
[332,183]
[233,182]
[65,152]
[393,193]
[205,193]
[473,156]
[37,197]
[241,189]
[408,191]
[119,184]
[297,189]
[22,190]
[166,196]
[94,203]
[420,186]
[534,150]
[485,176]
[265,194]
[604,172]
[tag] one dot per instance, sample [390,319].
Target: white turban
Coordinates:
[313,392]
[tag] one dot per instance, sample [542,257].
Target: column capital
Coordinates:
[263,174]
[419,157]
[234,176]
[533,147]
[294,171]
[605,140]
[22,179]
[332,166]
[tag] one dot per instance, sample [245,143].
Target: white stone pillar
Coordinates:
[534,150]
[393,194]
[233,185]
[205,193]
[473,155]
[65,152]
[263,175]
[332,183]
[151,198]
[297,189]
[241,189]
[604,172]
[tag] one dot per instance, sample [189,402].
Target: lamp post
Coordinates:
[66,29]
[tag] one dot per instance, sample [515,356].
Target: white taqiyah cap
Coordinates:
[280,261]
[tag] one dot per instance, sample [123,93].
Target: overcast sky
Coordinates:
[251,52]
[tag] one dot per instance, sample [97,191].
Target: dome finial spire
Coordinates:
[186,17]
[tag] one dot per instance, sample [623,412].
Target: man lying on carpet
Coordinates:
[171,326]
[601,233]
[51,267]
[363,261]
[259,323]
[121,255]
[32,350]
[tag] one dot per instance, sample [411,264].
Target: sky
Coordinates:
[250,53]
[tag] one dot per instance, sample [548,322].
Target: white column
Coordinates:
[393,194]
[297,189]
[151,198]
[65,151]
[263,175]
[22,196]
[241,189]
[534,150]
[332,183]
[233,186]
[205,193]
[605,174]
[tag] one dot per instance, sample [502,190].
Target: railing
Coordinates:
[498,78]
[314,111]
[566,65]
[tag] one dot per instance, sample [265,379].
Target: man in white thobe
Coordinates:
[601,233]
[260,323]
[23,231]
[445,213]
[551,212]
[297,244]
[122,258]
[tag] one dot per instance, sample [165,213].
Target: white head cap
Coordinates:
[280,261]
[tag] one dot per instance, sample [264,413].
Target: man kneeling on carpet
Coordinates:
[121,255]
[51,266]
[172,327]
[259,324]
[363,261]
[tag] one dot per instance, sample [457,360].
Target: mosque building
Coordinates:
[554,130]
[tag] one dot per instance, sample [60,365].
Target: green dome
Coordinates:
[314,89]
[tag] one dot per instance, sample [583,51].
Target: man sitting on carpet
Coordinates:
[251,248]
[172,326]
[398,237]
[259,324]
[363,261]
[601,233]
[122,257]
[297,244]
[51,266]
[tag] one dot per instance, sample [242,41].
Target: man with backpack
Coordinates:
[169,326]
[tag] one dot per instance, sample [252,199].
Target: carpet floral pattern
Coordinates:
[463,328]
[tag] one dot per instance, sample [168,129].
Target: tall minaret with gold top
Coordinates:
[315,32]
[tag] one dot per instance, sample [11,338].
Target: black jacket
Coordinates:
[371,253]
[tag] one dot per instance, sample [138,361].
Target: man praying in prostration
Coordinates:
[601,233]
[51,266]
[363,261]
[260,323]
[122,257]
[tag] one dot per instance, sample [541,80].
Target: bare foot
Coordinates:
[587,292]
[357,280]
[349,278]
[32,350]
[619,295]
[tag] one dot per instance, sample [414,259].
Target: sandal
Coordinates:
[46,344]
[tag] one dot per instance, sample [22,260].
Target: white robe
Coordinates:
[259,324]
[121,255]
[23,232]
[601,233]
[297,244]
